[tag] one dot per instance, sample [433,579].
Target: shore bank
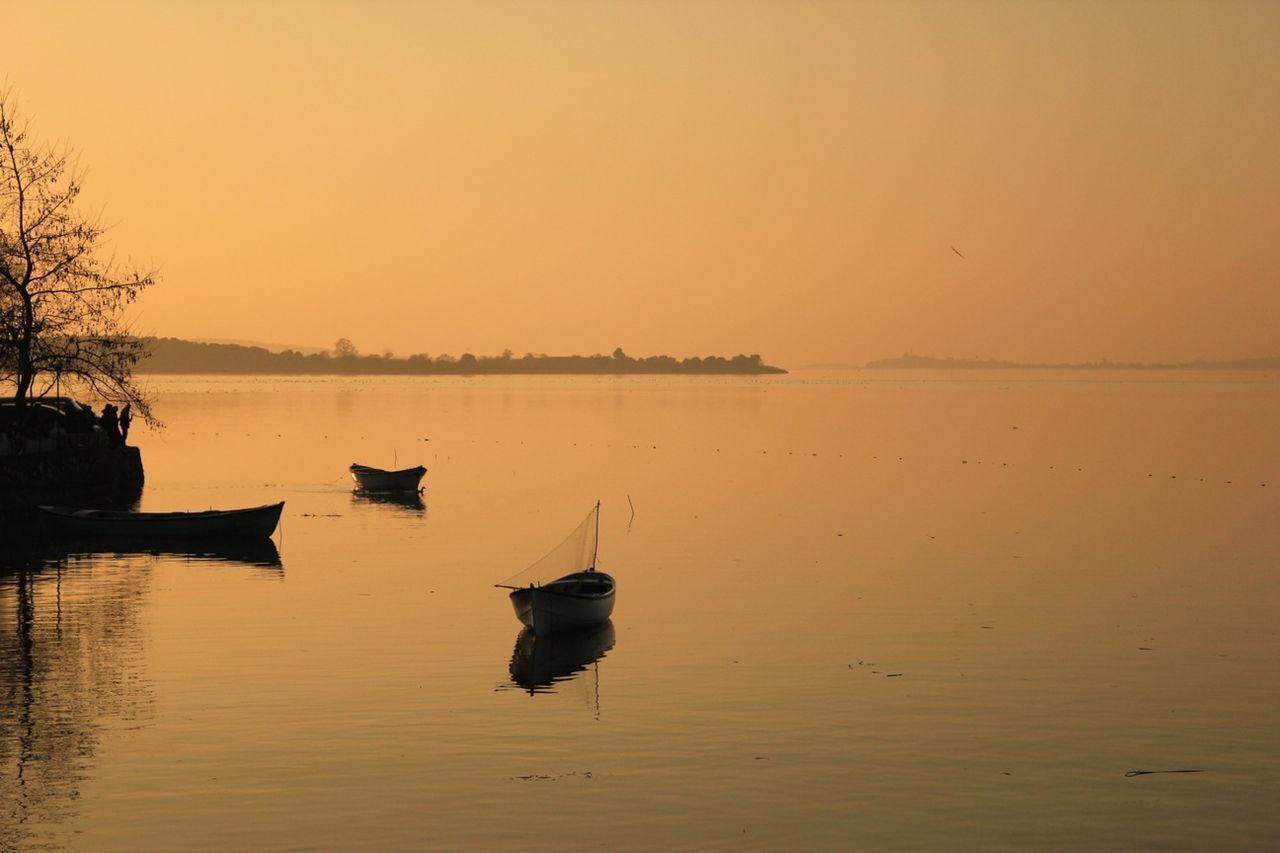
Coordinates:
[80,476]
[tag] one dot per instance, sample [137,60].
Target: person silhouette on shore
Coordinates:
[110,423]
[126,418]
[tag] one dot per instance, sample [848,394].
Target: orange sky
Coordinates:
[692,178]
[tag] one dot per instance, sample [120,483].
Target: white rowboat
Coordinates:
[580,597]
[579,600]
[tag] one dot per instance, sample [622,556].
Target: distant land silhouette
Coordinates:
[921,362]
[172,355]
[269,347]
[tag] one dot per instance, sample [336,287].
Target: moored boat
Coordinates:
[371,479]
[244,523]
[580,598]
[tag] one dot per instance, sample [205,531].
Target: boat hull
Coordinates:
[377,480]
[213,524]
[578,600]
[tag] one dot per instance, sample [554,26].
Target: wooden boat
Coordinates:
[246,523]
[377,480]
[577,600]
[582,598]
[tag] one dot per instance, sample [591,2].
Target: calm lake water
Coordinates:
[864,610]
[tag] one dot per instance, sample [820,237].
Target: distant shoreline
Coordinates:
[918,362]
[175,356]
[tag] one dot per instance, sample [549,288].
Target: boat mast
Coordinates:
[595,551]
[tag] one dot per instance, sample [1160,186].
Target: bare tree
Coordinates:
[61,302]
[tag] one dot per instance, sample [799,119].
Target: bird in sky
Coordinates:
[957,251]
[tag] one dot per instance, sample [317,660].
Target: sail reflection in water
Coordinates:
[540,662]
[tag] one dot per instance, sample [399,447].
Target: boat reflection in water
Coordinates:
[409,501]
[250,552]
[540,662]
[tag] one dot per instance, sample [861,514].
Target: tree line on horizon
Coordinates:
[173,355]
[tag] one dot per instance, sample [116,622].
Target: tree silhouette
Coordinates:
[61,303]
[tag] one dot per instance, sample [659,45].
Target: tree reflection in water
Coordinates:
[70,660]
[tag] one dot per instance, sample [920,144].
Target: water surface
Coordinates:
[856,611]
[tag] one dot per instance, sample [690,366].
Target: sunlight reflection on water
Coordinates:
[854,610]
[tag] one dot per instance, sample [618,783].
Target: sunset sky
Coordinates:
[811,181]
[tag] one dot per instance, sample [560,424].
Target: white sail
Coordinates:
[576,553]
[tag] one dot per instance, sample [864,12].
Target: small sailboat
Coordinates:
[576,595]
